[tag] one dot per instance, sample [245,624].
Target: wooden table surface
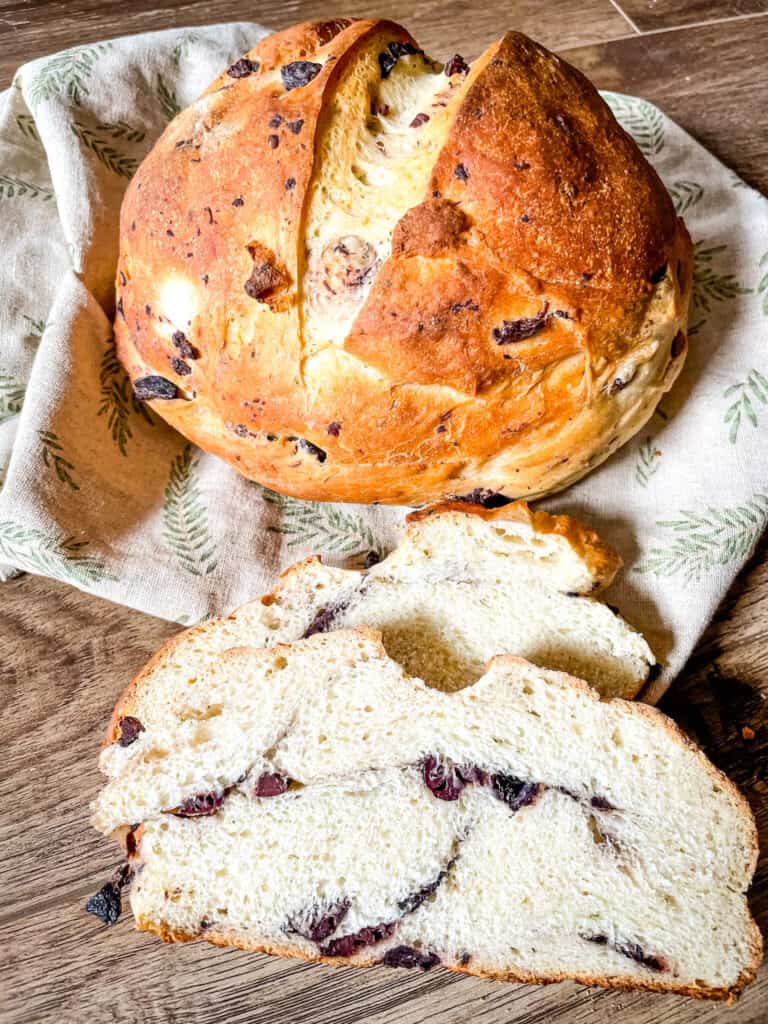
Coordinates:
[64,656]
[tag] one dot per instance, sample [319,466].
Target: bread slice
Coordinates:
[313,800]
[465,583]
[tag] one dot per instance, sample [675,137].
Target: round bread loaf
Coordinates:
[359,275]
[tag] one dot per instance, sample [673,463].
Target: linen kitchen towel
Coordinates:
[98,492]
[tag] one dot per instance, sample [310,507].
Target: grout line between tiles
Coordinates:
[625,16]
[670,28]
[708,21]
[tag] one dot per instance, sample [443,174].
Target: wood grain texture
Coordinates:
[33,29]
[711,79]
[649,15]
[65,656]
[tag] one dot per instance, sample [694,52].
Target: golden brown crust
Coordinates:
[554,217]
[125,702]
[429,229]
[600,558]
[227,940]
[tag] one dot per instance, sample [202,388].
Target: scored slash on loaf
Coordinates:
[359,275]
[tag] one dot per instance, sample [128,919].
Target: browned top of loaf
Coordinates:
[538,205]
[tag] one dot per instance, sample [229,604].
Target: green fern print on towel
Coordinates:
[747,397]
[122,130]
[694,329]
[113,159]
[117,401]
[36,551]
[67,74]
[11,396]
[709,285]
[647,462]
[762,285]
[185,517]
[19,188]
[641,119]
[324,526]
[703,541]
[27,127]
[167,98]
[184,45]
[53,456]
[685,194]
[36,327]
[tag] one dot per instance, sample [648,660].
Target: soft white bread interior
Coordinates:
[314,800]
[464,584]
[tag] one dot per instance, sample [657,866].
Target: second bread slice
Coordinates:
[465,584]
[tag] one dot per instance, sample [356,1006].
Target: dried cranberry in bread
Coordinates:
[358,275]
[464,583]
[314,801]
